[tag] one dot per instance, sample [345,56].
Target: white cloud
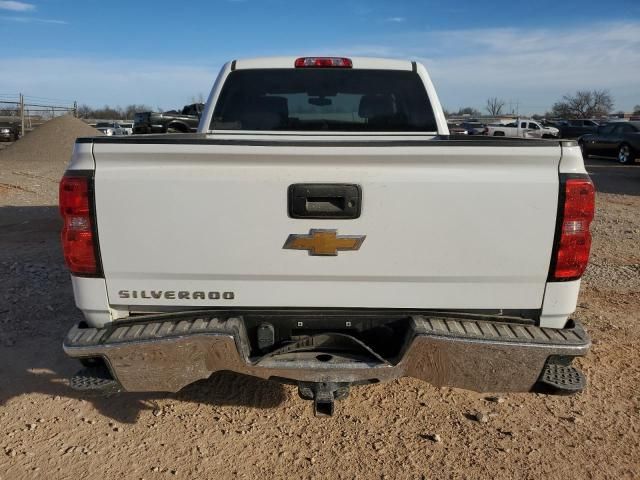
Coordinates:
[395,19]
[16,6]
[169,84]
[33,20]
[534,67]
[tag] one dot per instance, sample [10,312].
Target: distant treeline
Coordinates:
[114,113]
[582,104]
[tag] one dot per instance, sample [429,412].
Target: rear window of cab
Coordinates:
[324,100]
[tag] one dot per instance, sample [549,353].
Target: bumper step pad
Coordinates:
[95,379]
[561,380]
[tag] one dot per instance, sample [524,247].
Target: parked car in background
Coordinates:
[548,123]
[617,139]
[127,127]
[576,128]
[110,128]
[456,129]
[9,132]
[473,128]
[169,122]
[522,128]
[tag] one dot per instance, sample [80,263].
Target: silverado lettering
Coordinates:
[173,294]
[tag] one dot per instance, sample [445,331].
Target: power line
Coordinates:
[57,107]
[37,98]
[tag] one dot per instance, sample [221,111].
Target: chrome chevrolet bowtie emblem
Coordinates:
[323,242]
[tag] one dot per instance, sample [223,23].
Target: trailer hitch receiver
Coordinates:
[323,395]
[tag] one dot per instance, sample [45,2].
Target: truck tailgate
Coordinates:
[447,226]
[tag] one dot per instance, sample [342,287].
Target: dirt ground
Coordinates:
[232,426]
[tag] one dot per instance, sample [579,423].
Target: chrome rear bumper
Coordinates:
[166,353]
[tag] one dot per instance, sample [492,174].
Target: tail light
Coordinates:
[573,239]
[323,62]
[78,240]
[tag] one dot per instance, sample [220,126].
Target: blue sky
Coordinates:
[163,53]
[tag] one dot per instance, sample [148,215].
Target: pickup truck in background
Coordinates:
[9,131]
[127,128]
[169,122]
[474,128]
[522,128]
[110,128]
[324,229]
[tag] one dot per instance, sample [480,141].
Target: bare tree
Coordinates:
[131,110]
[495,106]
[584,104]
[636,109]
[108,113]
[84,111]
[469,111]
[197,98]
[602,102]
[111,113]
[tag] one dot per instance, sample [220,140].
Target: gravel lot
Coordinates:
[232,426]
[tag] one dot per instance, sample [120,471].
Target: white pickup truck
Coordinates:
[324,229]
[522,128]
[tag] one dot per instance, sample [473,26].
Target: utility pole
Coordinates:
[514,111]
[21,115]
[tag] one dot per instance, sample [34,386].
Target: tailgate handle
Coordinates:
[325,200]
